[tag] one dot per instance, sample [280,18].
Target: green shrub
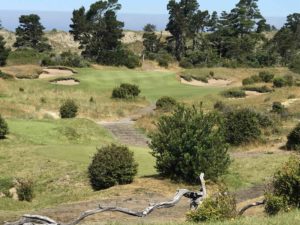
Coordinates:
[279,82]
[166,103]
[263,89]
[266,76]
[6,76]
[219,208]
[164,58]
[295,64]
[68,109]
[163,62]
[5,184]
[285,192]
[278,108]
[126,91]
[65,59]
[186,134]
[185,63]
[274,204]
[3,128]
[234,93]
[293,142]
[289,80]
[248,81]
[112,165]
[242,126]
[187,77]
[25,190]
[4,52]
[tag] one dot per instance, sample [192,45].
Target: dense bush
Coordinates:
[3,128]
[188,142]
[295,64]
[266,76]
[278,108]
[242,126]
[234,93]
[285,187]
[4,52]
[25,190]
[166,103]
[64,59]
[219,208]
[126,91]
[112,165]
[263,89]
[279,82]
[68,109]
[293,142]
[274,204]
[248,81]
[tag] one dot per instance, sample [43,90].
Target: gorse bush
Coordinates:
[278,108]
[126,91]
[68,109]
[166,103]
[242,126]
[3,128]
[263,89]
[279,82]
[65,59]
[266,76]
[234,93]
[219,208]
[285,188]
[189,142]
[293,142]
[112,165]
[25,190]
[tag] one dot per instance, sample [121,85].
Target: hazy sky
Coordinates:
[268,7]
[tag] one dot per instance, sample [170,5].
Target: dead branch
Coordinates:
[255,204]
[196,199]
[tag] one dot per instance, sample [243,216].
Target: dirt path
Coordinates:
[125,131]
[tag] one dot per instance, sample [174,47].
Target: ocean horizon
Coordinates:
[62,20]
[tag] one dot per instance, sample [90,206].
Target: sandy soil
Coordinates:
[50,73]
[290,102]
[211,83]
[66,82]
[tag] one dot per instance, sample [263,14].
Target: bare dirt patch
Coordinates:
[290,102]
[70,82]
[50,73]
[210,83]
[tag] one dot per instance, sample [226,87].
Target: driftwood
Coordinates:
[255,204]
[196,199]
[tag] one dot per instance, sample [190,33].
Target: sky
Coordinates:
[135,13]
[269,8]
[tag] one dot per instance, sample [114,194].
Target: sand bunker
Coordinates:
[50,73]
[210,83]
[253,93]
[69,82]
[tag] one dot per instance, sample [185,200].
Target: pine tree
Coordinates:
[4,52]
[151,41]
[30,33]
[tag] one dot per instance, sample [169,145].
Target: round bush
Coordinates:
[112,165]
[189,142]
[242,126]
[126,91]
[266,76]
[166,103]
[25,190]
[3,128]
[234,93]
[293,142]
[279,82]
[274,204]
[278,108]
[222,207]
[68,109]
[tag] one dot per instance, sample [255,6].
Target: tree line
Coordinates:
[196,37]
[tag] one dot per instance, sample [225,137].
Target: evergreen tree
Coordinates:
[151,42]
[30,33]
[4,52]
[213,22]
[98,29]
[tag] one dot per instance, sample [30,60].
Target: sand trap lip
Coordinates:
[210,83]
[50,73]
[69,82]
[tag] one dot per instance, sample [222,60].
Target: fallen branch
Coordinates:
[255,204]
[196,199]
